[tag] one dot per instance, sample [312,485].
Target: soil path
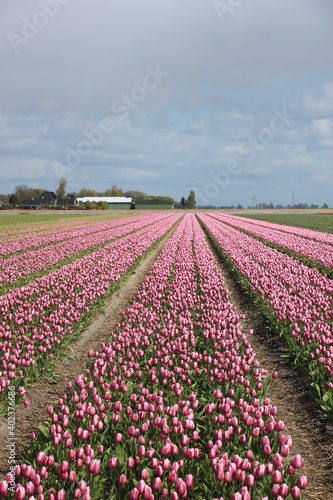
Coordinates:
[44,393]
[311,432]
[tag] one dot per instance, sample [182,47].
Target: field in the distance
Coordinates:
[42,217]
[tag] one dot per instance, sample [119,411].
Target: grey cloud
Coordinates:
[225,80]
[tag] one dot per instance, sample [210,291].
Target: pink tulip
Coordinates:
[112,463]
[296,492]
[296,462]
[60,495]
[302,482]
[122,480]
[3,488]
[156,484]
[19,492]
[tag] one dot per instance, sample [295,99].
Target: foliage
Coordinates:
[13,200]
[87,192]
[191,200]
[162,198]
[24,192]
[114,191]
[4,198]
[136,195]
[61,190]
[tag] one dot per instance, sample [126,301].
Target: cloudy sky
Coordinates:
[230,98]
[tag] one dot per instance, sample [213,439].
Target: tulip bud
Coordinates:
[302,482]
[3,488]
[296,462]
[122,480]
[112,463]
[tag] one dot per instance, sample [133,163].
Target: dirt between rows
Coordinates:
[311,432]
[44,393]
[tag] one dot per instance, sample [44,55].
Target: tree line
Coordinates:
[25,192]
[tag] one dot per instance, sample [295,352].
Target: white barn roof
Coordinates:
[108,199]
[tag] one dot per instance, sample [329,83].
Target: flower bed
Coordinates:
[314,252]
[18,269]
[174,406]
[296,300]
[36,320]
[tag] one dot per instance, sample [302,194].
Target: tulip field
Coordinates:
[315,248]
[174,405]
[38,319]
[297,300]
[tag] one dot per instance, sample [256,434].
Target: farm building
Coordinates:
[45,199]
[154,205]
[49,199]
[114,202]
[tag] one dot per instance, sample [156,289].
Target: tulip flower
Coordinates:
[3,488]
[200,382]
[112,463]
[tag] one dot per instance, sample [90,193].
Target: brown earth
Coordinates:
[311,432]
[44,393]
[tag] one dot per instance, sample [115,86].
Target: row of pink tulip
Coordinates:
[35,319]
[172,407]
[313,250]
[299,296]
[52,235]
[310,234]
[24,266]
[14,238]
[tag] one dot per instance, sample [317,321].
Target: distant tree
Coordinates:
[183,202]
[13,200]
[162,198]
[191,200]
[24,192]
[4,198]
[324,205]
[61,190]
[102,205]
[87,192]
[90,205]
[136,195]
[114,191]
[239,206]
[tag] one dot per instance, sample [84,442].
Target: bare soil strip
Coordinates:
[75,361]
[311,432]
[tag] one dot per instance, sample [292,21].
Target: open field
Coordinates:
[315,221]
[165,355]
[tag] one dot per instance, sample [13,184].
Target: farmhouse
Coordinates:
[50,200]
[114,202]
